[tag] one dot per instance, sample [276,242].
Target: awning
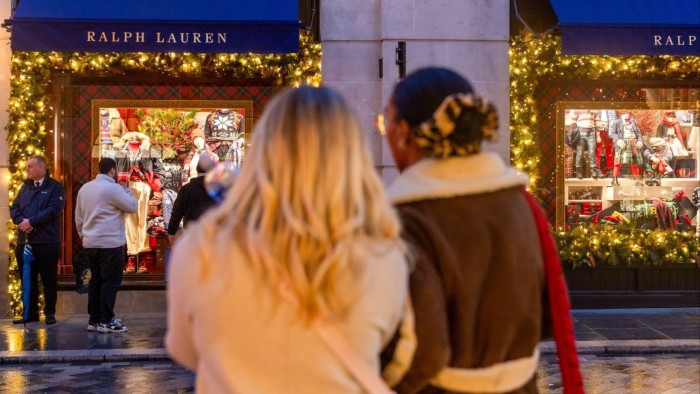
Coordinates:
[629,27]
[207,26]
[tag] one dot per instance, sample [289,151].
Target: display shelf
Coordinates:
[619,193]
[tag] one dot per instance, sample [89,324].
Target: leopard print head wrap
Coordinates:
[457,127]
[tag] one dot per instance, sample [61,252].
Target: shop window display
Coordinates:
[157,145]
[629,165]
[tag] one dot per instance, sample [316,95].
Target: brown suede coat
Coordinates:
[478,285]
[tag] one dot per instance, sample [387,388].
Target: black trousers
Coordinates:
[45,264]
[106,265]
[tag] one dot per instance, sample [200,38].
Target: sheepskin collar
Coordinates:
[431,179]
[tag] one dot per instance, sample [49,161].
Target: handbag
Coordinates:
[340,347]
[82,277]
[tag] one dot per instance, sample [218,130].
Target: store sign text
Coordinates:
[674,40]
[159,38]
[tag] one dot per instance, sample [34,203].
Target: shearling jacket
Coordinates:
[478,286]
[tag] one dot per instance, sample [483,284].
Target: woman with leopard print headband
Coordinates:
[486,284]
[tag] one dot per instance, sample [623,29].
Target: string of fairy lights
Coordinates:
[30,107]
[534,60]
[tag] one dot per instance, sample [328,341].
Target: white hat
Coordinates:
[656,141]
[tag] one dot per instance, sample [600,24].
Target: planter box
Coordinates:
[673,285]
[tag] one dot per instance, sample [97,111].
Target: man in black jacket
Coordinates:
[191,202]
[36,211]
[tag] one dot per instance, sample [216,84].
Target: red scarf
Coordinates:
[669,121]
[560,308]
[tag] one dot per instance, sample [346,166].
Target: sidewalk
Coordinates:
[601,331]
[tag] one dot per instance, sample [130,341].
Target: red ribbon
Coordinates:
[679,195]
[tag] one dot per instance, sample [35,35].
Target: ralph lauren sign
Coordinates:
[160,38]
[131,37]
[624,27]
[631,40]
[208,26]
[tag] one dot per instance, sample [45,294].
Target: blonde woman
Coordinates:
[307,213]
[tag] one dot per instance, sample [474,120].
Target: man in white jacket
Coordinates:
[100,216]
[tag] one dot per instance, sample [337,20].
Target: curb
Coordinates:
[633,346]
[102,355]
[161,354]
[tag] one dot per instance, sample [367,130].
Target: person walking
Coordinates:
[36,211]
[100,219]
[485,261]
[297,246]
[191,202]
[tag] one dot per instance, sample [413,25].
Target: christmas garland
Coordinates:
[537,59]
[593,245]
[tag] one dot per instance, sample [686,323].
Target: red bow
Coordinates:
[679,195]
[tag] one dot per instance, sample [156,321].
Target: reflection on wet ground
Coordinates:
[85,377]
[656,373]
[146,331]
[666,373]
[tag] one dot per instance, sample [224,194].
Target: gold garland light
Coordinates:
[537,59]
[30,108]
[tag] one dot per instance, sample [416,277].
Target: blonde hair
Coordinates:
[307,205]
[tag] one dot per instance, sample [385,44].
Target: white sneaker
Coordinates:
[113,326]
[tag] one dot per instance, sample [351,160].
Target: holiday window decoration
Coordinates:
[30,107]
[536,59]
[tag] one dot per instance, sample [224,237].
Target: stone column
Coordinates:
[5,8]
[469,36]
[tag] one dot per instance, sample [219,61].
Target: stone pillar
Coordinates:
[469,36]
[5,8]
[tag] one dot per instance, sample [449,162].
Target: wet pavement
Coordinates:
[644,373]
[653,373]
[629,350]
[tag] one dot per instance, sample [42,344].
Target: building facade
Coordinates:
[359,51]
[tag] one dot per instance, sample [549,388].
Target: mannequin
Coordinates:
[658,157]
[225,130]
[604,148]
[671,131]
[140,165]
[112,127]
[589,137]
[189,170]
[117,126]
[628,147]
[694,136]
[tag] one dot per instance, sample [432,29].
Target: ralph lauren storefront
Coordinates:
[88,78]
[596,104]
